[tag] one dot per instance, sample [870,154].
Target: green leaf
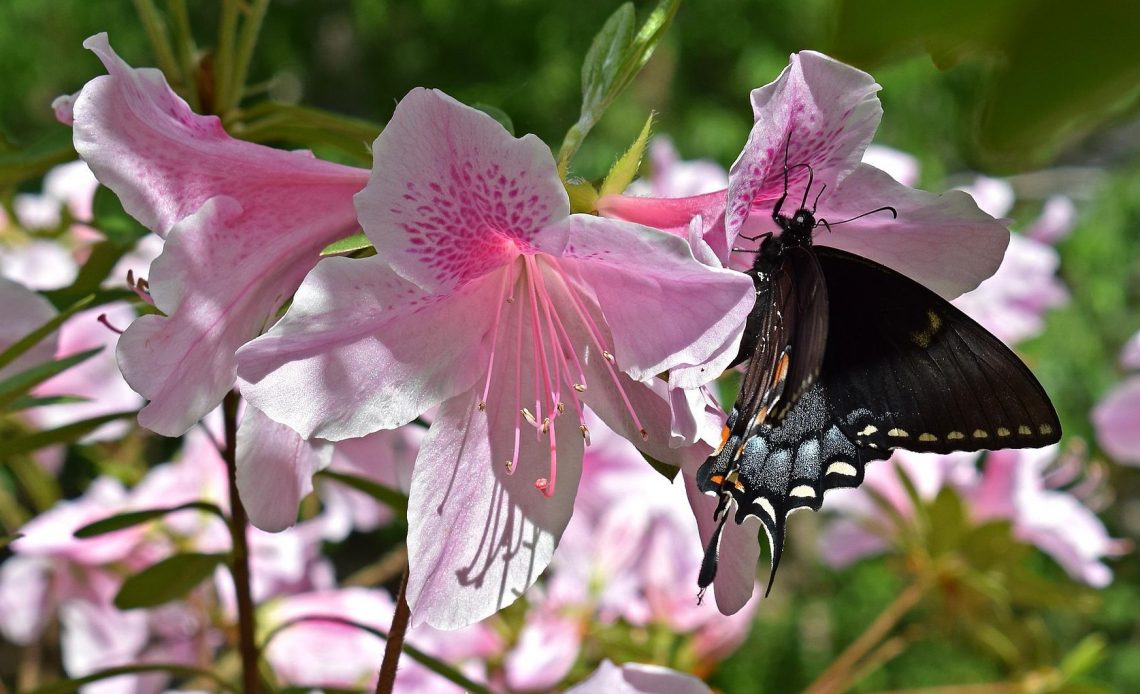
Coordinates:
[498,114]
[352,244]
[64,434]
[73,685]
[583,197]
[947,522]
[667,471]
[17,385]
[21,346]
[169,579]
[625,168]
[33,161]
[395,500]
[616,56]
[128,520]
[1086,655]
[27,402]
[109,217]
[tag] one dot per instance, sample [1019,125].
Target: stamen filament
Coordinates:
[507,277]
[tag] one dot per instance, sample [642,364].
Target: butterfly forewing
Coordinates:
[906,369]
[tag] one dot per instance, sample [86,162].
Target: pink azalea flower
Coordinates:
[1117,415]
[242,223]
[546,650]
[901,166]
[823,114]
[636,678]
[488,298]
[1012,304]
[386,457]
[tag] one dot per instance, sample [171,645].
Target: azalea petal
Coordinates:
[453,195]
[479,535]
[663,307]
[164,161]
[942,241]
[739,551]
[361,349]
[220,279]
[636,678]
[1130,353]
[275,468]
[1117,422]
[821,112]
[670,214]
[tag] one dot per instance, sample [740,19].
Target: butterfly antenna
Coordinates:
[807,189]
[815,204]
[757,237]
[884,208]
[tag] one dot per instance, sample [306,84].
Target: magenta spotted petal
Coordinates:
[243,224]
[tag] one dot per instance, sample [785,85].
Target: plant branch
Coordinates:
[838,675]
[247,40]
[239,523]
[159,41]
[387,680]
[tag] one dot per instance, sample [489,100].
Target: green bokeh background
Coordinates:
[1043,91]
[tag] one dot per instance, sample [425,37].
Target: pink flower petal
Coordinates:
[640,276]
[362,349]
[275,468]
[245,222]
[822,111]
[1130,354]
[739,551]
[547,648]
[453,195]
[901,166]
[164,161]
[942,241]
[1117,421]
[671,214]
[21,312]
[636,678]
[478,537]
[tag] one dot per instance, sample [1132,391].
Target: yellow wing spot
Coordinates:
[979,434]
[1024,430]
[935,320]
[1045,429]
[927,437]
[1002,431]
[767,507]
[955,435]
[803,491]
[923,337]
[898,433]
[841,468]
[868,430]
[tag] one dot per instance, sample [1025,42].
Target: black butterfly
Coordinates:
[848,360]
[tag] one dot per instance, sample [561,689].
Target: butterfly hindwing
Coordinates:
[907,369]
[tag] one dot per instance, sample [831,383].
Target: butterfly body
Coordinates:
[847,360]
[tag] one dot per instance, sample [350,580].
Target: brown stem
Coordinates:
[239,523]
[395,642]
[837,675]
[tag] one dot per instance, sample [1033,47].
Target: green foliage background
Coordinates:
[1006,87]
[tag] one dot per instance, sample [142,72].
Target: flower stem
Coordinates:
[837,676]
[395,644]
[159,41]
[250,29]
[184,44]
[224,55]
[239,523]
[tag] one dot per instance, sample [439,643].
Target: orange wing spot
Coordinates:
[781,368]
[724,434]
[740,486]
[760,416]
[716,479]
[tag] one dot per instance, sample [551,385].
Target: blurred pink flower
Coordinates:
[480,263]
[350,657]
[1015,485]
[901,166]
[1117,416]
[21,312]
[672,177]
[546,650]
[243,224]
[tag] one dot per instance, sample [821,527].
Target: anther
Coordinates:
[508,466]
[560,407]
[644,435]
[546,425]
[585,433]
[609,357]
[580,387]
[482,405]
[529,417]
[541,484]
